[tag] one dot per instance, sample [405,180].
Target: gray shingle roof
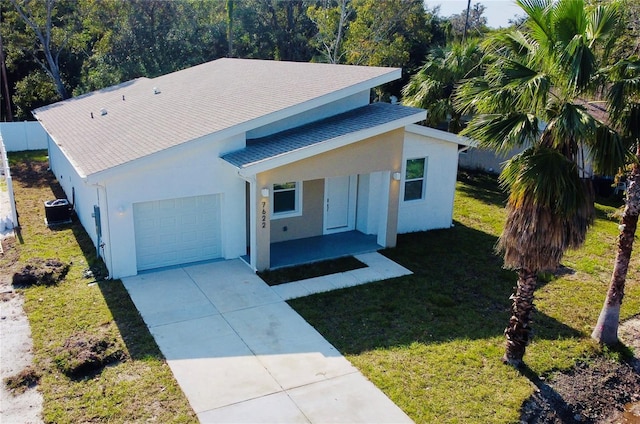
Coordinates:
[225,96]
[292,140]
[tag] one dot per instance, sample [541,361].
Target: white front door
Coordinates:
[340,204]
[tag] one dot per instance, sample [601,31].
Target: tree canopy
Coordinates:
[58,48]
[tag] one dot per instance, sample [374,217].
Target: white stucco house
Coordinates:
[228,158]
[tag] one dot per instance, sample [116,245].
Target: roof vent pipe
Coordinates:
[156,90]
[103,111]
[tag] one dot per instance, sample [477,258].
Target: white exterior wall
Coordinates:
[195,171]
[331,109]
[485,160]
[436,209]
[85,195]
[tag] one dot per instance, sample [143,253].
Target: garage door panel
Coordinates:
[176,231]
[190,221]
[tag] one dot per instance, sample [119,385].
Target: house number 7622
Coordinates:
[264,215]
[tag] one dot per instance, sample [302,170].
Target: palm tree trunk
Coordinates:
[606,330]
[518,333]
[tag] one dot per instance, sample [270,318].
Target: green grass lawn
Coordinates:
[137,388]
[433,341]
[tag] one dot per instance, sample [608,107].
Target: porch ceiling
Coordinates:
[298,143]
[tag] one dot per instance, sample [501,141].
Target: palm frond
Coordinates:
[509,43]
[625,88]
[421,90]
[468,95]
[546,176]
[549,210]
[503,132]
[569,21]
[579,61]
[433,85]
[536,238]
[602,23]
[568,125]
[539,20]
[608,151]
[530,86]
[439,111]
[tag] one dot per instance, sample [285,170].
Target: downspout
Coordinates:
[100,243]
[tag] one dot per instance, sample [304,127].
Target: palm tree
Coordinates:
[432,86]
[624,100]
[533,95]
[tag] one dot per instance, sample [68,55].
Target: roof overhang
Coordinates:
[441,135]
[316,138]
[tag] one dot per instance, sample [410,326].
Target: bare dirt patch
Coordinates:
[25,379]
[84,355]
[601,391]
[40,271]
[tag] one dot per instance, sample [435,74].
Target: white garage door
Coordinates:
[177,231]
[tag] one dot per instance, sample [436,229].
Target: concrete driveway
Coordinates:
[242,355]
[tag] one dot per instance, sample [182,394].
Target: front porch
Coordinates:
[336,175]
[319,248]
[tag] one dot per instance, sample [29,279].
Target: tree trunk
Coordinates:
[518,333]
[606,330]
[341,24]
[230,28]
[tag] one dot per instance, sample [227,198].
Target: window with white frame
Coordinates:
[286,199]
[415,179]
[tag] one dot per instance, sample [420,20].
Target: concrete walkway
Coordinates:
[242,355]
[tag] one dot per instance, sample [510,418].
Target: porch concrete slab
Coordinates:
[366,275]
[319,284]
[230,285]
[291,290]
[344,280]
[378,268]
[385,266]
[161,301]
[351,396]
[275,408]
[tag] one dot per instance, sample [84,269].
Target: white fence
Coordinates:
[27,135]
[8,213]
[15,137]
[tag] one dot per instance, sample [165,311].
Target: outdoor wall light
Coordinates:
[396,176]
[265,192]
[121,210]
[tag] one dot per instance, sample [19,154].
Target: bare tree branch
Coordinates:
[52,64]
